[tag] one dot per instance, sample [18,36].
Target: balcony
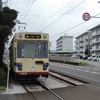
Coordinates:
[81,44]
[86,43]
[95,48]
[81,50]
[86,37]
[81,39]
[76,42]
[96,33]
[95,40]
[76,46]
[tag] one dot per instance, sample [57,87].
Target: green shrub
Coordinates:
[3,66]
[2,77]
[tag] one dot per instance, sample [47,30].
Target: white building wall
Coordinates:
[65,44]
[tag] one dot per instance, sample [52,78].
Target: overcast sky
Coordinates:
[56,17]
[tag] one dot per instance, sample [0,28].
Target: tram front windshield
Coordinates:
[27,49]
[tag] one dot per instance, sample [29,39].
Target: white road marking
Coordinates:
[87,68]
[77,69]
[95,69]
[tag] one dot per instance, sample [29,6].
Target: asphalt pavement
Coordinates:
[89,73]
[92,63]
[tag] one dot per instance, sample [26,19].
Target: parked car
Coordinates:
[85,57]
[77,56]
[96,58]
[99,59]
[91,57]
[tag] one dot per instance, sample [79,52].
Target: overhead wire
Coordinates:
[90,8]
[68,29]
[51,24]
[80,3]
[25,8]
[89,27]
[97,23]
[86,2]
[60,18]
[28,10]
[72,28]
[53,15]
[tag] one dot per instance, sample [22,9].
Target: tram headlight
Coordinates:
[44,36]
[20,36]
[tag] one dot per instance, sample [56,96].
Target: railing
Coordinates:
[95,41]
[96,48]
[64,59]
[60,58]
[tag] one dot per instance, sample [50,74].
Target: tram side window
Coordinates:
[20,50]
[44,50]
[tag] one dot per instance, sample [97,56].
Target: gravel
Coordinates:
[51,83]
[13,89]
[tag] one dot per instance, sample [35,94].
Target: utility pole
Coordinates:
[0,5]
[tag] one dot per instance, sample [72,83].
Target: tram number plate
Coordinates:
[23,73]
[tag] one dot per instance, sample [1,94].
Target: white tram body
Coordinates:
[29,55]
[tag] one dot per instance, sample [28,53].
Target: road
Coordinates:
[96,64]
[89,73]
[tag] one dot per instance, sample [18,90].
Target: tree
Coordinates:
[7,22]
[87,52]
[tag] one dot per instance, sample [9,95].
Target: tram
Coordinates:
[29,55]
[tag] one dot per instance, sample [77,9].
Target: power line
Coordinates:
[54,14]
[28,10]
[63,15]
[68,29]
[97,23]
[72,28]
[25,8]
[70,9]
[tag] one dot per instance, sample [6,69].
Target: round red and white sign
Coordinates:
[86,16]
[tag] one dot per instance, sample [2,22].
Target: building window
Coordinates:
[97,39]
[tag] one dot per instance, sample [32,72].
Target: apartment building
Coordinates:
[89,40]
[64,44]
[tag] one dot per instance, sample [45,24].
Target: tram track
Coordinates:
[29,93]
[60,98]
[70,82]
[68,79]
[45,88]
[48,93]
